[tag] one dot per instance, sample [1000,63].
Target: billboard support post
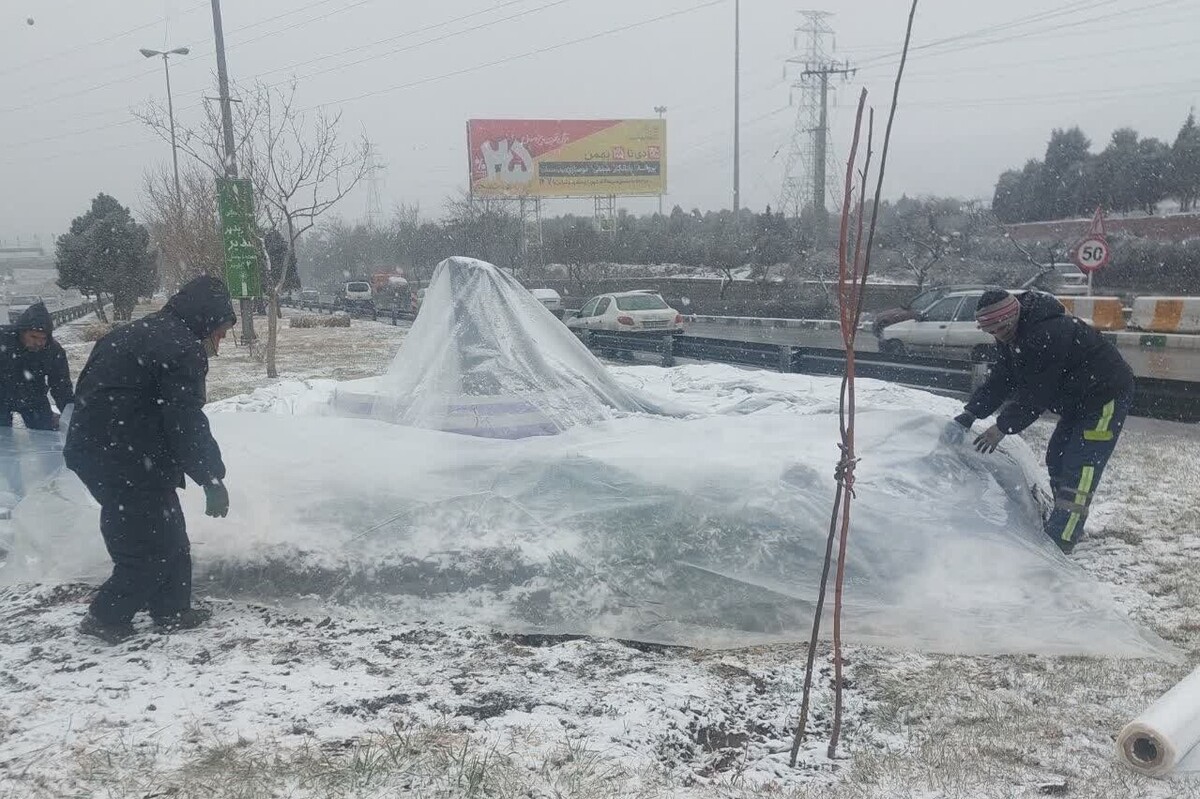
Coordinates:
[606,213]
[529,209]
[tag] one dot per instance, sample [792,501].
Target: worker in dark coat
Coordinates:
[32,363]
[1050,361]
[138,428]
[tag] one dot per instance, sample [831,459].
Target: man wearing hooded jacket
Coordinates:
[138,428]
[1050,361]
[32,363]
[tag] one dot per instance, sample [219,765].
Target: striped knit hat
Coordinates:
[997,312]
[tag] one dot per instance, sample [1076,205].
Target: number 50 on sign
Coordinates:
[1092,254]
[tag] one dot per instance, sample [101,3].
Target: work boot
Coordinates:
[108,633]
[189,619]
[1067,547]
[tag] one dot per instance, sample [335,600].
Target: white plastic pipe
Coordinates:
[1160,740]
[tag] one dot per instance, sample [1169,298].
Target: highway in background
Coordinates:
[1172,364]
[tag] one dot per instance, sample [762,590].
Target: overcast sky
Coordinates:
[982,95]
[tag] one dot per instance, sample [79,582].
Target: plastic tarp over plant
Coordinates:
[705,530]
[486,358]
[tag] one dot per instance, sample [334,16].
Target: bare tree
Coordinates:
[184,232]
[298,164]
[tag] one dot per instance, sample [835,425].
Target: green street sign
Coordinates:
[235,205]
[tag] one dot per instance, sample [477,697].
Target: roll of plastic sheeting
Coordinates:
[1166,737]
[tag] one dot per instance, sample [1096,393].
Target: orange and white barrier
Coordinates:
[1167,314]
[1105,313]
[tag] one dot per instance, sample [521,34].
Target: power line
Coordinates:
[196,55]
[990,30]
[1087,62]
[521,56]
[27,64]
[887,61]
[418,45]
[1111,92]
[407,34]
[444,76]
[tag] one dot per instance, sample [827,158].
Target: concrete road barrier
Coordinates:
[1167,314]
[1105,313]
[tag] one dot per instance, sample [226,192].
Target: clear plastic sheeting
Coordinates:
[706,531]
[27,459]
[486,358]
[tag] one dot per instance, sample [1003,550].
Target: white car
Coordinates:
[630,312]
[1071,284]
[550,298]
[947,327]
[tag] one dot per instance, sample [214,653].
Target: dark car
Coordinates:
[918,305]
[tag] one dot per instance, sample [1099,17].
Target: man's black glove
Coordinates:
[990,439]
[956,432]
[216,498]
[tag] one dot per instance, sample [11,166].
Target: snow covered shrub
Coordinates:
[98,330]
[335,320]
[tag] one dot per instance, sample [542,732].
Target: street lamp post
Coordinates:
[660,110]
[170,111]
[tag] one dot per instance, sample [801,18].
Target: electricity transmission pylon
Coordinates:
[374,188]
[809,162]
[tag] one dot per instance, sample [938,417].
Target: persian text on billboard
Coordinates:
[567,158]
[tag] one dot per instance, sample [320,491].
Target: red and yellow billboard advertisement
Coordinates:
[567,158]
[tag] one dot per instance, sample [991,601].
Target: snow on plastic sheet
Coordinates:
[705,531]
[486,358]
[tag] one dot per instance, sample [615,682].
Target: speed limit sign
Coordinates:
[1092,254]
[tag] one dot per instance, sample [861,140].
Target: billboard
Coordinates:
[567,158]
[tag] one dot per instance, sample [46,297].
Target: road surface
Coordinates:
[1163,363]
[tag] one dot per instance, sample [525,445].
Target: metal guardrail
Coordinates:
[1156,398]
[391,314]
[64,315]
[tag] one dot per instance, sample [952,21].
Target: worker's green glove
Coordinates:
[216,498]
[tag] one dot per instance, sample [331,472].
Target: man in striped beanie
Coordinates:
[1050,361]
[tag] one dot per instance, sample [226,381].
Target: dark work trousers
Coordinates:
[1078,452]
[34,418]
[152,562]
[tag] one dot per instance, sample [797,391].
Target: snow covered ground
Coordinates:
[306,699]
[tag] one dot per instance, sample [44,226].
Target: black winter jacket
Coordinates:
[139,423]
[1056,363]
[26,376]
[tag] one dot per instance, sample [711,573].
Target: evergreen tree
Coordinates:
[1116,172]
[107,252]
[1185,164]
[1063,174]
[1152,184]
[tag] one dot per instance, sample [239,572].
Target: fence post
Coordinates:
[785,358]
[668,350]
